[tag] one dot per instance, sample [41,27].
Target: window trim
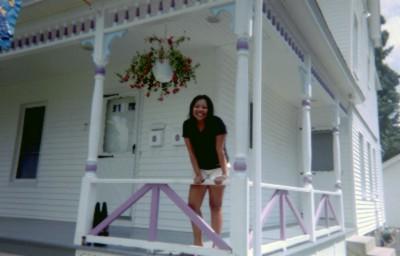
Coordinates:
[18,140]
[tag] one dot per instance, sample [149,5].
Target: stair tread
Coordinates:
[360,239]
[382,251]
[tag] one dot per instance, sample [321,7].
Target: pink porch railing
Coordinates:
[280,200]
[280,197]
[155,200]
[326,206]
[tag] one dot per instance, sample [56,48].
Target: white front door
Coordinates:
[118,147]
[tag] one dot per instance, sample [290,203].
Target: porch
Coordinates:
[21,235]
[281,90]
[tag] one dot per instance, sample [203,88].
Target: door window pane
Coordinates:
[30,142]
[120,119]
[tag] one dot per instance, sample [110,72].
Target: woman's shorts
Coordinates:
[210,175]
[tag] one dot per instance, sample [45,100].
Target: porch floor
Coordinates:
[58,235]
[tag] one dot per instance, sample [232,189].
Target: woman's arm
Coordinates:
[198,176]
[220,142]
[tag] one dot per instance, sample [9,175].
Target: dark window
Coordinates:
[322,151]
[30,142]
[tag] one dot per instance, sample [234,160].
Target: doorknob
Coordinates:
[133,148]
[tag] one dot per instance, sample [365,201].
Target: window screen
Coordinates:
[322,151]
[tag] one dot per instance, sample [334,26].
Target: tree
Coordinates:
[388,101]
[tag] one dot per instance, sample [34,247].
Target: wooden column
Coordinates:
[101,44]
[337,162]
[239,233]
[308,198]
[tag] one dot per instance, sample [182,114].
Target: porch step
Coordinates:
[365,246]
[360,245]
[382,251]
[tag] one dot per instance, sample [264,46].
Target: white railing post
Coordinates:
[85,211]
[337,164]
[257,127]
[101,44]
[239,215]
[308,200]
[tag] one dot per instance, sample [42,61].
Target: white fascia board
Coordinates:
[374,8]
[325,33]
[378,84]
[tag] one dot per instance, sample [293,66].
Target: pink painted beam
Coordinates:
[199,222]
[155,202]
[282,217]
[265,213]
[319,209]
[326,212]
[332,210]
[117,212]
[296,214]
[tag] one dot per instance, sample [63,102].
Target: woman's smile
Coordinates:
[200,110]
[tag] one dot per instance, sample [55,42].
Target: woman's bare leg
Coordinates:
[216,194]
[196,196]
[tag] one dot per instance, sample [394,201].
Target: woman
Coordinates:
[204,136]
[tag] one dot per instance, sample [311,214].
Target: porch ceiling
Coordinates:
[282,71]
[71,58]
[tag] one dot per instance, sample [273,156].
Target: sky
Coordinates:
[390,9]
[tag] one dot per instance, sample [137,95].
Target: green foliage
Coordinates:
[388,101]
[140,75]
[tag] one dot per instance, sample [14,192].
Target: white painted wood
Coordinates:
[239,213]
[279,245]
[308,199]
[369,214]
[257,126]
[152,245]
[332,193]
[86,205]
[338,16]
[289,188]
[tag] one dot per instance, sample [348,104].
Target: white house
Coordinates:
[390,176]
[294,81]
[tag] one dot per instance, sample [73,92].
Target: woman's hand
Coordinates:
[220,179]
[198,179]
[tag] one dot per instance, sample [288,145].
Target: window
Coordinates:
[362,165]
[322,151]
[31,128]
[355,45]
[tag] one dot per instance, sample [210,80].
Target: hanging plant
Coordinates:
[162,68]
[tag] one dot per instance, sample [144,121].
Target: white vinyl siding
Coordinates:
[369,212]
[54,194]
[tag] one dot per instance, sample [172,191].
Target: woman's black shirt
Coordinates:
[204,142]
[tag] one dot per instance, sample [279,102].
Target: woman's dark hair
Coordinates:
[210,106]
